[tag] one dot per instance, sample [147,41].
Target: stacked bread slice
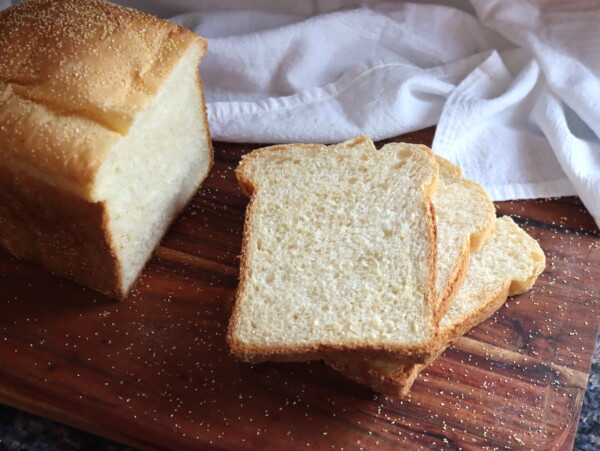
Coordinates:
[372,260]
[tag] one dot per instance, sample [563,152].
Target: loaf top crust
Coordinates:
[73,76]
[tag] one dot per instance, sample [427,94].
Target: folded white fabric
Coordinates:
[512,86]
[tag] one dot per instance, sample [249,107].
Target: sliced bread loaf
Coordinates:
[103,136]
[339,252]
[508,265]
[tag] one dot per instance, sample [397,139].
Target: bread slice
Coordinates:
[465,218]
[508,265]
[339,252]
[103,136]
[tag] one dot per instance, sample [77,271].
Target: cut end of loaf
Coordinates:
[338,250]
[382,375]
[152,173]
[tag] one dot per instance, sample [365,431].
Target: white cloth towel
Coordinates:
[514,87]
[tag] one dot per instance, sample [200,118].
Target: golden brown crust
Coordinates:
[207,132]
[431,296]
[399,385]
[235,346]
[332,352]
[452,288]
[251,353]
[73,76]
[63,233]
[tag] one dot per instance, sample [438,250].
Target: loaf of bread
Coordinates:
[339,252]
[103,136]
[508,265]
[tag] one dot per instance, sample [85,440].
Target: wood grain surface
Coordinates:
[153,371]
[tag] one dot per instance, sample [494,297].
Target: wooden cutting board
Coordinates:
[153,371]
